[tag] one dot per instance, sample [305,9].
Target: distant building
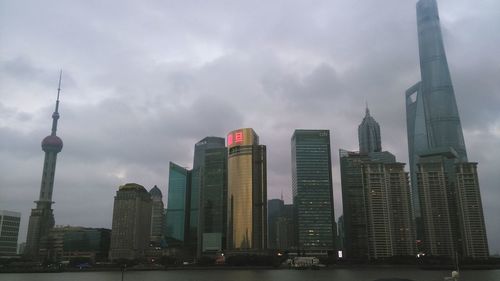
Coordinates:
[42,218]
[213,194]
[285,229]
[69,243]
[157,216]
[177,213]
[274,211]
[247,191]
[369,134]
[9,232]
[312,192]
[131,226]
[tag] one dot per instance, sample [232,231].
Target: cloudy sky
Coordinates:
[143,81]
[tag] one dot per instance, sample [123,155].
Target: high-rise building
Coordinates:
[435,133]
[377,217]
[213,194]
[285,229]
[177,213]
[312,192]
[201,196]
[42,218]
[247,191]
[9,232]
[274,211]
[131,227]
[452,213]
[431,109]
[369,134]
[157,216]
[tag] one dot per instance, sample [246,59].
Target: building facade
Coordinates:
[177,213]
[131,228]
[9,232]
[213,210]
[369,134]
[432,114]
[247,191]
[42,217]
[157,216]
[312,192]
[274,211]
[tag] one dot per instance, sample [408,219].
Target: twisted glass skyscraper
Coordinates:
[431,109]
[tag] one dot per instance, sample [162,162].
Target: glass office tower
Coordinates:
[312,191]
[247,191]
[177,221]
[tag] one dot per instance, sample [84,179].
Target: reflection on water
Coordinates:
[257,275]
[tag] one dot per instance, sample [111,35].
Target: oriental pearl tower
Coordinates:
[42,217]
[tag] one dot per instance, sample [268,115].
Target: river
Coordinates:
[257,275]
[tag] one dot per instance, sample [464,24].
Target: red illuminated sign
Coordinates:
[236,137]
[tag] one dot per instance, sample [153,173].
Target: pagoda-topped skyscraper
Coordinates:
[42,217]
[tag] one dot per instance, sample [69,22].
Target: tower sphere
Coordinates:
[52,143]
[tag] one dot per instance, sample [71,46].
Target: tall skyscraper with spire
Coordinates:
[369,134]
[445,187]
[42,217]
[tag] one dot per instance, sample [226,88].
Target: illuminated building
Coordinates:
[131,227]
[247,191]
[312,192]
[42,217]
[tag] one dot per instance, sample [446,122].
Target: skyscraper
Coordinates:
[274,211]
[437,152]
[369,134]
[200,196]
[431,109]
[131,226]
[177,217]
[247,191]
[9,232]
[157,217]
[213,208]
[312,191]
[42,217]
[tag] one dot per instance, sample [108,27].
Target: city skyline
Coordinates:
[328,72]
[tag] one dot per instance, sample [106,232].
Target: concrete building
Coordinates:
[42,218]
[157,216]
[312,192]
[451,206]
[9,232]
[68,243]
[247,192]
[131,228]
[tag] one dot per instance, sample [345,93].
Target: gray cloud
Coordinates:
[143,82]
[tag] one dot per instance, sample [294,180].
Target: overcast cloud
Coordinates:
[143,81]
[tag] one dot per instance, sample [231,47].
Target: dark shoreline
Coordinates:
[331,267]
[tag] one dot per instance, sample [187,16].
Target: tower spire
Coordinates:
[367,110]
[55,115]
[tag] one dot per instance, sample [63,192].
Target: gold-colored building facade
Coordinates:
[247,191]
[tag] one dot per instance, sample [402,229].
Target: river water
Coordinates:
[258,275]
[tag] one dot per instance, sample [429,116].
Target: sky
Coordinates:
[143,81]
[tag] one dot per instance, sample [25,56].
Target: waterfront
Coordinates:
[260,275]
